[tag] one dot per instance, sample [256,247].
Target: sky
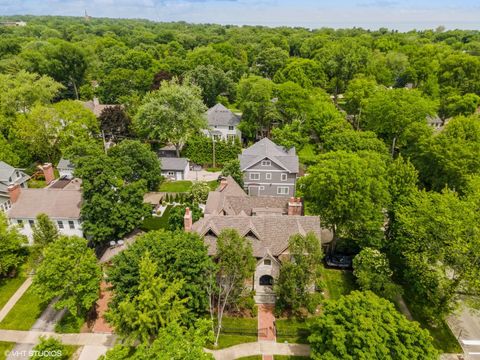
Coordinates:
[371,14]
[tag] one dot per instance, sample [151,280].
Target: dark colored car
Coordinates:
[339,261]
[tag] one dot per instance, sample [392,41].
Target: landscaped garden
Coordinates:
[157,222]
[236,331]
[292,330]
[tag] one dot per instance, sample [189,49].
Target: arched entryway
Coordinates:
[266,280]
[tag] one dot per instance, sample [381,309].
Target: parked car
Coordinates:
[339,261]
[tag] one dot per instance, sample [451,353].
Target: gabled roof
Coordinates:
[171,163]
[271,232]
[220,115]
[6,171]
[65,164]
[266,148]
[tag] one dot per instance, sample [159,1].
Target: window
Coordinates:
[267,262]
[262,188]
[71,224]
[266,280]
[20,223]
[268,176]
[217,137]
[31,223]
[266,163]
[60,224]
[282,190]
[254,176]
[18,174]
[284,177]
[231,128]
[231,137]
[170,173]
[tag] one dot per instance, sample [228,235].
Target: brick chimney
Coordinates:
[295,206]
[187,220]
[47,169]
[14,192]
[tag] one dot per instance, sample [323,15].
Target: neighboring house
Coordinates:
[267,222]
[168,151]
[10,176]
[269,169]
[435,122]
[61,200]
[65,168]
[174,168]
[222,123]
[95,106]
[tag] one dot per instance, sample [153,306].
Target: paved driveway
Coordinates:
[202,175]
[465,325]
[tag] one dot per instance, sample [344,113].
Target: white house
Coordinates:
[65,168]
[61,201]
[174,168]
[222,123]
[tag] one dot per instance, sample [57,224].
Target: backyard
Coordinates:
[182,185]
[157,222]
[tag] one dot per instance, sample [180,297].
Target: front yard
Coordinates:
[25,312]
[236,331]
[338,283]
[4,347]
[8,286]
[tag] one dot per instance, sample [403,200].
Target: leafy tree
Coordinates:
[44,231]
[358,90]
[11,241]
[49,349]
[171,114]
[269,60]
[111,206]
[135,161]
[349,191]
[372,270]
[403,180]
[460,71]
[235,263]
[291,135]
[198,193]
[362,325]
[70,273]
[157,303]
[173,342]
[7,152]
[459,105]
[299,274]
[115,122]
[351,140]
[304,72]
[212,81]
[178,256]
[389,113]
[160,77]
[175,219]
[232,168]
[435,242]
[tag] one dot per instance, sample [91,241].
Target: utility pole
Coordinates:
[213,143]
[104,143]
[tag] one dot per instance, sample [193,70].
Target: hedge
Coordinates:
[199,149]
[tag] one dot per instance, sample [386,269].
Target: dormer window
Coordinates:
[267,262]
[266,163]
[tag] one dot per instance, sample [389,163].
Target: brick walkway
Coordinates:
[266,319]
[101,325]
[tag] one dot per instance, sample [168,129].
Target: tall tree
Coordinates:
[350,192]
[70,273]
[115,122]
[171,114]
[212,81]
[44,231]
[232,168]
[364,326]
[155,305]
[235,264]
[11,244]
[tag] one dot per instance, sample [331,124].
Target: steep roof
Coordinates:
[266,148]
[171,163]
[56,203]
[220,115]
[6,171]
[267,233]
[65,164]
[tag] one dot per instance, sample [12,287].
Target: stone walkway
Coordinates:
[15,297]
[82,339]
[268,348]
[101,325]
[266,320]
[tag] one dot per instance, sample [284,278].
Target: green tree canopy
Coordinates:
[232,168]
[11,242]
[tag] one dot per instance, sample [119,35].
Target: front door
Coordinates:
[253,190]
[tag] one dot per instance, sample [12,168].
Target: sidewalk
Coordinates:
[82,339]
[260,348]
[15,297]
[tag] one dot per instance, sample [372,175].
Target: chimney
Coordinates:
[48,173]
[187,220]
[14,192]
[223,184]
[295,206]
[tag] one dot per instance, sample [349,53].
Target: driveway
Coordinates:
[465,325]
[202,175]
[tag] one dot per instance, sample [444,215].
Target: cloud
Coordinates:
[379,4]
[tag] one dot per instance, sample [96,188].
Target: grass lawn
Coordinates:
[213,184]
[338,282]
[5,346]
[292,331]
[157,222]
[291,357]
[236,331]
[25,312]
[70,350]
[175,186]
[69,324]
[36,184]
[8,286]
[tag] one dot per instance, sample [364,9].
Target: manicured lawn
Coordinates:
[157,222]
[292,330]
[4,347]
[338,282]
[227,340]
[25,312]
[8,286]
[291,357]
[70,350]
[69,324]
[36,184]
[236,331]
[175,186]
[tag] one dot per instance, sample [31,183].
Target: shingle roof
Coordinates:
[6,171]
[266,148]
[170,163]
[220,115]
[267,233]
[56,203]
[65,164]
